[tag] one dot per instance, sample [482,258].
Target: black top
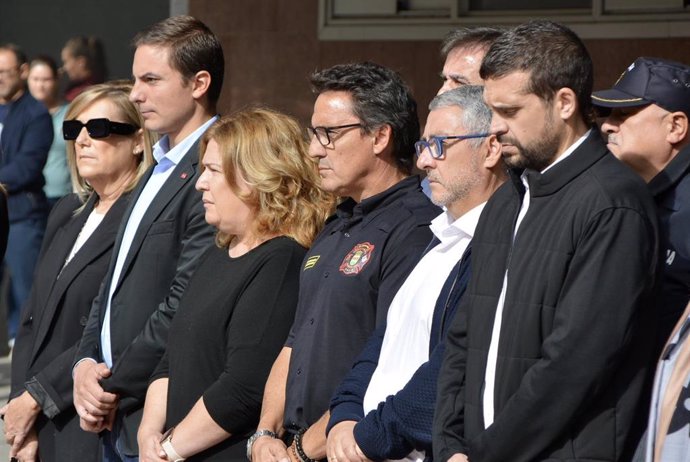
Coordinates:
[232,322]
[348,280]
[578,320]
[671,190]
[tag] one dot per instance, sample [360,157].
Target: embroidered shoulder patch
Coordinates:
[355,261]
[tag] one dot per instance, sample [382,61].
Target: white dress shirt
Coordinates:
[408,324]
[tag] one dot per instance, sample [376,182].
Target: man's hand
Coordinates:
[29,450]
[341,445]
[458,457]
[150,445]
[267,449]
[93,404]
[20,415]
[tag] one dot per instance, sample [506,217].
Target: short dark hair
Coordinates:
[193,48]
[380,97]
[554,56]
[17,51]
[469,37]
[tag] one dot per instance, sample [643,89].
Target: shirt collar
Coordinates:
[349,208]
[672,174]
[449,231]
[569,151]
[162,147]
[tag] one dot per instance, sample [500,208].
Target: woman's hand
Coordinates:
[19,415]
[150,445]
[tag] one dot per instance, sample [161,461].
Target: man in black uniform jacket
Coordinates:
[363,132]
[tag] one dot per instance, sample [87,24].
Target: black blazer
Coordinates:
[164,253]
[56,312]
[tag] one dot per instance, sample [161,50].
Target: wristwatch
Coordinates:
[257,434]
[166,444]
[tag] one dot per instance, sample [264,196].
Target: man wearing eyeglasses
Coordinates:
[384,408]
[364,127]
[26,134]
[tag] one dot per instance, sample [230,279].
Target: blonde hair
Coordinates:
[268,150]
[117,92]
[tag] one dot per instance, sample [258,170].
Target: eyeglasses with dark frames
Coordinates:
[435,143]
[323,134]
[96,128]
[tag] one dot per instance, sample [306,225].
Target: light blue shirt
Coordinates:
[167,159]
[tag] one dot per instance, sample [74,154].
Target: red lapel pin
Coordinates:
[183,175]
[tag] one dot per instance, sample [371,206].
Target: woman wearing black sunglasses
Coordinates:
[108,152]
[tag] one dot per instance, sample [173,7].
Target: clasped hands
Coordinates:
[95,406]
[19,416]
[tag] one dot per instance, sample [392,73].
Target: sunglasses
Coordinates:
[96,128]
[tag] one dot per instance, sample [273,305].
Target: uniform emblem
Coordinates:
[311,262]
[355,261]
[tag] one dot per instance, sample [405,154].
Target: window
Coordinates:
[431,19]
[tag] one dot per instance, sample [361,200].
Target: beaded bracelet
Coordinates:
[299,451]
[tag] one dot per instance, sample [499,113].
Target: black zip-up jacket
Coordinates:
[578,326]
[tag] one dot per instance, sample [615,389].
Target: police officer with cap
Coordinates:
[647,127]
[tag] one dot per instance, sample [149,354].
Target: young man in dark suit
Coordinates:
[178,74]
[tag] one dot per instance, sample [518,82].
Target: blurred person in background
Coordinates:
[83,61]
[109,151]
[43,85]
[26,133]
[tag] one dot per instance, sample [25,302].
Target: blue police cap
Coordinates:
[649,81]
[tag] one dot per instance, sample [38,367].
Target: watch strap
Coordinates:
[258,434]
[170,452]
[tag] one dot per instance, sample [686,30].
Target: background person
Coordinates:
[463,50]
[260,191]
[109,152]
[43,85]
[83,62]
[26,134]
[647,127]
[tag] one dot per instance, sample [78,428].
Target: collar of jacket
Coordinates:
[586,155]
[354,211]
[672,174]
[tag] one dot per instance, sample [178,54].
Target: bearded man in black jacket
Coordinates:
[549,352]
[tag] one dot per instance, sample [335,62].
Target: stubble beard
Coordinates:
[539,154]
